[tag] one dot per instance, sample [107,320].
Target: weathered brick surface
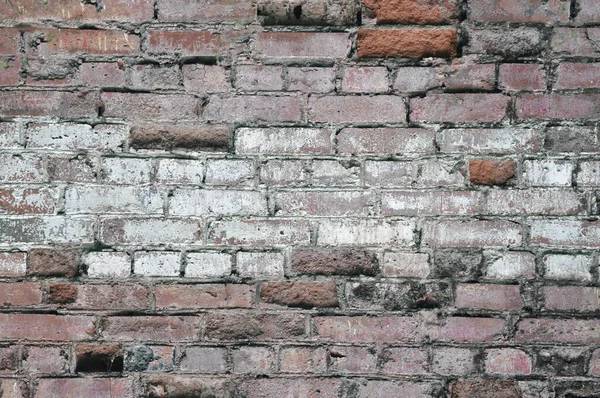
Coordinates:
[406,43]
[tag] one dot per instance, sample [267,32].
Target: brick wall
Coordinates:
[299,198]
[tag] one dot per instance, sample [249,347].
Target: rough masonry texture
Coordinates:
[299,198]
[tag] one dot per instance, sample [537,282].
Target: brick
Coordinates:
[459,108]
[382,389]
[329,173]
[259,78]
[457,263]
[390,173]
[311,80]
[366,79]
[300,294]
[534,201]
[52,360]
[396,296]
[571,139]
[206,78]
[437,173]
[47,230]
[111,199]
[13,388]
[70,136]
[193,43]
[146,106]
[204,202]
[98,358]
[144,77]
[365,232]
[385,141]
[588,174]
[333,262]
[259,232]
[200,11]
[302,360]
[491,172]
[357,109]
[520,11]
[18,294]
[296,46]
[169,137]
[71,169]
[406,265]
[157,263]
[9,71]
[107,264]
[489,140]
[484,387]
[568,267]
[558,106]
[100,387]
[48,262]
[345,360]
[366,329]
[21,168]
[204,360]
[573,331]
[237,326]
[125,170]
[548,172]
[260,265]
[12,264]
[405,361]
[522,77]
[257,360]
[173,385]
[588,12]
[253,108]
[208,265]
[49,103]
[9,135]
[10,39]
[576,41]
[594,366]
[203,296]
[571,298]
[464,77]
[324,203]
[310,12]
[27,201]
[511,265]
[487,296]
[413,12]
[304,387]
[562,361]
[41,327]
[471,233]
[451,361]
[471,330]
[409,43]
[565,233]
[229,172]
[62,293]
[574,76]
[112,297]
[101,42]
[430,203]
[413,79]
[146,328]
[101,74]
[513,43]
[152,230]
[180,171]
[283,141]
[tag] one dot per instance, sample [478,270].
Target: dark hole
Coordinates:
[90,362]
[298,12]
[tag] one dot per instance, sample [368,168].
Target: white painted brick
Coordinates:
[111,199]
[488,140]
[324,203]
[126,170]
[208,265]
[568,267]
[260,232]
[205,202]
[72,136]
[283,141]
[390,173]
[9,135]
[365,80]
[46,230]
[282,172]
[472,233]
[107,264]
[156,263]
[406,265]
[229,172]
[533,201]
[385,141]
[430,203]
[333,172]
[571,233]
[260,265]
[151,230]
[21,168]
[365,232]
[547,172]
[180,171]
[511,265]
[13,264]
[589,174]
[435,173]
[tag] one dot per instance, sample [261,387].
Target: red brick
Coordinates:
[280,387]
[466,330]
[47,262]
[470,388]
[459,108]
[101,42]
[405,361]
[519,11]
[573,76]
[251,108]
[200,11]
[112,297]
[193,43]
[46,327]
[478,233]
[45,360]
[230,326]
[302,45]
[20,294]
[577,41]
[489,297]
[101,74]
[203,296]
[409,43]
[491,172]
[379,109]
[9,71]
[303,360]
[85,387]
[413,12]
[346,360]
[9,38]
[574,331]
[300,294]
[49,103]
[558,106]
[507,361]
[155,328]
[145,106]
[571,298]
[366,79]
[365,329]
[62,293]
[333,262]
[522,77]
[27,201]
[252,360]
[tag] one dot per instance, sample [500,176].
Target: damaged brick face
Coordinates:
[307,198]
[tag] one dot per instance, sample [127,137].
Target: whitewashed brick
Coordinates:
[260,265]
[282,172]
[151,230]
[283,141]
[436,173]
[406,265]
[511,265]
[365,232]
[565,233]
[180,171]
[229,172]
[324,203]
[488,140]
[208,265]
[21,168]
[46,230]
[547,172]
[533,201]
[111,199]
[568,267]
[69,136]
[126,170]
[13,264]
[9,135]
[430,203]
[385,141]
[107,264]
[390,173]
[589,174]
[260,232]
[205,202]
[156,263]
[480,233]
[333,172]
